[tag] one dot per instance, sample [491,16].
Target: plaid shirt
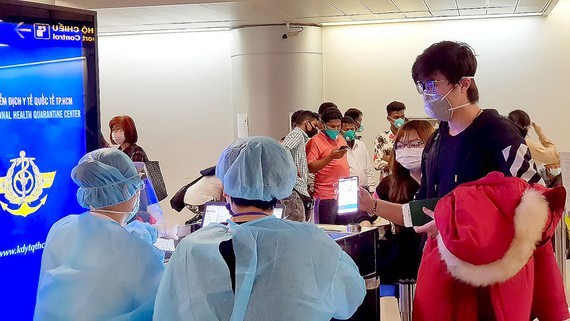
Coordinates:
[295,142]
[135,153]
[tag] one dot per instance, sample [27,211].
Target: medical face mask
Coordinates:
[555,171]
[332,133]
[118,137]
[398,123]
[132,213]
[349,135]
[409,158]
[438,106]
[360,129]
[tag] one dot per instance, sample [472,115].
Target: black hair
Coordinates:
[395,106]
[294,117]
[347,120]
[264,205]
[331,114]
[304,116]
[326,105]
[521,119]
[353,113]
[454,60]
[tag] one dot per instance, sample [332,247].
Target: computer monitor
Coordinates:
[49,118]
[216,212]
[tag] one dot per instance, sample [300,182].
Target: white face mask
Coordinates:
[410,158]
[555,171]
[438,106]
[118,137]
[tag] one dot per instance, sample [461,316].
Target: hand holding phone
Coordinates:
[348,195]
[343,147]
[337,153]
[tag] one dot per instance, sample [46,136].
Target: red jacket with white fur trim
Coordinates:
[493,259]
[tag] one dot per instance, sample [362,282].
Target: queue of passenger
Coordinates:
[486,255]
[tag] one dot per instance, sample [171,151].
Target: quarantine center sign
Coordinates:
[42,133]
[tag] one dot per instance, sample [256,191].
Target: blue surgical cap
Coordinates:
[257,168]
[105,177]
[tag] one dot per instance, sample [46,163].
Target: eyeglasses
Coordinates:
[413,144]
[427,86]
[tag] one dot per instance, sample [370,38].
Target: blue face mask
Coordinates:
[132,213]
[360,129]
[333,134]
[135,209]
[349,135]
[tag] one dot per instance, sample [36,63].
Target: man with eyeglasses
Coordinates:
[469,144]
[326,157]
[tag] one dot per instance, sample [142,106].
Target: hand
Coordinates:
[365,201]
[167,229]
[429,228]
[337,153]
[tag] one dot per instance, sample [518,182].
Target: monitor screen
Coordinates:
[216,212]
[48,121]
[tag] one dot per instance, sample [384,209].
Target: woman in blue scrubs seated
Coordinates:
[93,266]
[258,267]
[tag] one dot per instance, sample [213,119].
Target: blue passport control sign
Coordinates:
[43,77]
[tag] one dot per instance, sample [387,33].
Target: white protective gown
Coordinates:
[93,269]
[284,271]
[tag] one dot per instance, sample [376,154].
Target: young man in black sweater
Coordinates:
[469,144]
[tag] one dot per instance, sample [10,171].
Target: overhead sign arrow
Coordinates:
[19,30]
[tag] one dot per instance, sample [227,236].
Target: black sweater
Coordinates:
[490,143]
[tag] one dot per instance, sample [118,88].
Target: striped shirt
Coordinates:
[295,142]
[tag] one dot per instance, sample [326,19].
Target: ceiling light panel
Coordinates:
[471,4]
[349,6]
[410,5]
[318,7]
[380,6]
[441,4]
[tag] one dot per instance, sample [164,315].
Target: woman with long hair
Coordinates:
[401,255]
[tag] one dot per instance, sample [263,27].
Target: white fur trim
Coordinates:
[530,219]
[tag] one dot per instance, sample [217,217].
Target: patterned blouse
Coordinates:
[135,153]
[383,145]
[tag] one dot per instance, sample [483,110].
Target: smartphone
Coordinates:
[343,147]
[348,195]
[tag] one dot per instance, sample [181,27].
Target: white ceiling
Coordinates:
[149,15]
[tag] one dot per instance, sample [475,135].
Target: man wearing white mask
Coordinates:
[384,142]
[469,144]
